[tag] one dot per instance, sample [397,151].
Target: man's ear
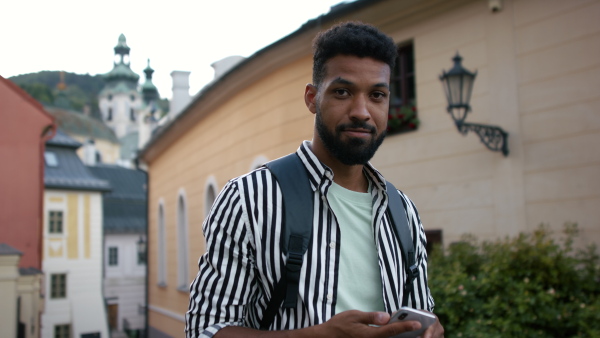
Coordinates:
[310,98]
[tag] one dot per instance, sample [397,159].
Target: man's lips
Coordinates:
[357,132]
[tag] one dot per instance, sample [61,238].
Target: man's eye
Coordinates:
[378,95]
[341,92]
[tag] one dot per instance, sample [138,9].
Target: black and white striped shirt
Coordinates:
[244,261]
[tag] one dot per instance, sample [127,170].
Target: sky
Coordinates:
[189,35]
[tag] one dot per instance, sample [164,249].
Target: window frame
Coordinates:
[182,243]
[162,246]
[113,256]
[52,214]
[58,285]
[402,115]
[62,331]
[50,159]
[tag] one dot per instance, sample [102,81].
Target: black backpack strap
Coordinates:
[400,221]
[297,229]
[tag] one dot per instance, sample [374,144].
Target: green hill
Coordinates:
[81,90]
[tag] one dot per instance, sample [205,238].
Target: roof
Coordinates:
[72,122]
[69,172]
[124,209]
[209,90]
[30,271]
[61,139]
[121,72]
[6,249]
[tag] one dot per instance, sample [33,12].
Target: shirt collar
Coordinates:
[318,172]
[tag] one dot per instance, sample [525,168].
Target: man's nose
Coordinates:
[360,109]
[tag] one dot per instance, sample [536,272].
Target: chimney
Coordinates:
[181,92]
[89,153]
[224,65]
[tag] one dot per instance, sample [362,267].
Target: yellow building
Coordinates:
[538,64]
[20,294]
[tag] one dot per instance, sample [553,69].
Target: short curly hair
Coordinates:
[351,38]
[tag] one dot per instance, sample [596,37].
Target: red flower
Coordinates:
[412,125]
[414,108]
[390,116]
[400,116]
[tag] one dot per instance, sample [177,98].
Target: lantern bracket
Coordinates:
[494,138]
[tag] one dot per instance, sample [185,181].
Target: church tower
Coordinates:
[150,112]
[120,100]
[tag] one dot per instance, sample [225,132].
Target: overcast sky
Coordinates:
[79,36]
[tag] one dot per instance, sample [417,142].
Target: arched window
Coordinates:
[162,247]
[132,114]
[210,194]
[182,244]
[109,115]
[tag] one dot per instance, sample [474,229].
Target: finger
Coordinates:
[435,330]
[374,318]
[396,328]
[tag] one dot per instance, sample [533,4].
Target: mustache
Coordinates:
[355,125]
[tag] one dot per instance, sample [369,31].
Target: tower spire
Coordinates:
[149,91]
[122,49]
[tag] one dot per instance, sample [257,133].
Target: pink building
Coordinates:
[24,129]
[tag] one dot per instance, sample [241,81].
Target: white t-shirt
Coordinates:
[359,282]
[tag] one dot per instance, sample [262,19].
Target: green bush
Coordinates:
[529,286]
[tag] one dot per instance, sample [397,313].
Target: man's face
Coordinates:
[351,107]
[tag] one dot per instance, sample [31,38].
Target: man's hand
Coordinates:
[351,324]
[434,331]
[355,323]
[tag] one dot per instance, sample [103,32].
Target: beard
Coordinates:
[355,150]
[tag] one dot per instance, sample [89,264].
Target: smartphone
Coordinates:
[409,314]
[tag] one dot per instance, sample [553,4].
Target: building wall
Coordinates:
[537,64]
[31,303]
[271,115]
[110,152]
[78,254]
[9,276]
[121,103]
[21,171]
[124,283]
[21,299]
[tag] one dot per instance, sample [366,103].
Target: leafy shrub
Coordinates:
[529,286]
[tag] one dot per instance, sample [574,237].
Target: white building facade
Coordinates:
[124,283]
[72,265]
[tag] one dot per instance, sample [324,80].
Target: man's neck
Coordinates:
[350,177]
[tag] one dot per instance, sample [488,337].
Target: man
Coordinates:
[353,274]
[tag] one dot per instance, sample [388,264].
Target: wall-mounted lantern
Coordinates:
[141,250]
[458,85]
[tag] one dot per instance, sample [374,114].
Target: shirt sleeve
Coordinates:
[421,297]
[223,285]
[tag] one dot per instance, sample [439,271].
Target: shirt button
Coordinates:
[332,245]
[329,296]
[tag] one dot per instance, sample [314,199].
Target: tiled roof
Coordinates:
[72,122]
[6,249]
[61,139]
[29,271]
[69,172]
[125,206]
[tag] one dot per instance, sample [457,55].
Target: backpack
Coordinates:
[292,177]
